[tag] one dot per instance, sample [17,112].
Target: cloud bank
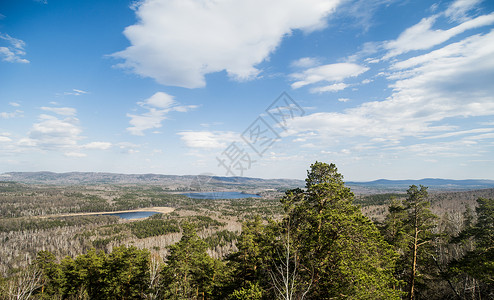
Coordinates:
[178,42]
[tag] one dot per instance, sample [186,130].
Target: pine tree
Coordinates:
[479,262]
[341,250]
[190,271]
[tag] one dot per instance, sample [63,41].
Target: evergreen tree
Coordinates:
[126,273]
[341,251]
[479,262]
[418,225]
[53,276]
[190,271]
[250,264]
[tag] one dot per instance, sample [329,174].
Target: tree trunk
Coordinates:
[414,265]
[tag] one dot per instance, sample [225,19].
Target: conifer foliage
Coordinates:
[341,252]
[322,247]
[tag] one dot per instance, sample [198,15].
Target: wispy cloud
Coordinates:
[459,9]
[444,84]
[305,62]
[214,36]
[75,92]
[208,139]
[52,133]
[14,50]
[11,115]
[458,133]
[329,88]
[75,154]
[4,139]
[331,73]
[64,111]
[421,36]
[157,108]
[97,145]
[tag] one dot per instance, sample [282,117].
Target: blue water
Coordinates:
[134,214]
[220,195]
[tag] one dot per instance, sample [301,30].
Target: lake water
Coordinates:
[134,214]
[220,195]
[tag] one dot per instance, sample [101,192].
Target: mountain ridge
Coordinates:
[47,177]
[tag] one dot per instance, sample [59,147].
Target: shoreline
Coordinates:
[158,209]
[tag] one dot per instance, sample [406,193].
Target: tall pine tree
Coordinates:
[341,251]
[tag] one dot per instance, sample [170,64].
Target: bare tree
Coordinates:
[25,283]
[285,276]
[154,276]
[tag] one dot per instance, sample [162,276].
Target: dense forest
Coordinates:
[319,242]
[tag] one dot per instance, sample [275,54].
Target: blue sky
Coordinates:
[384,89]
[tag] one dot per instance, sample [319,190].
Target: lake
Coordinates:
[134,214]
[220,195]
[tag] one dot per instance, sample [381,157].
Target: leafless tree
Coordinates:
[285,276]
[25,283]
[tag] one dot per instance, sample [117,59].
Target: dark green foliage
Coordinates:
[377,199]
[52,273]
[408,227]
[419,223]
[189,272]
[340,250]
[479,262]
[324,247]
[319,240]
[153,227]
[203,222]
[252,291]
[122,274]
[393,228]
[19,224]
[221,238]
[250,264]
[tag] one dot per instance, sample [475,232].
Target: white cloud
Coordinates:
[11,115]
[456,79]
[97,145]
[149,120]
[178,42]
[421,36]
[329,88]
[451,82]
[458,9]
[129,148]
[54,133]
[327,73]
[157,106]
[362,12]
[5,139]
[14,104]
[14,50]
[76,92]
[160,100]
[64,111]
[463,132]
[208,139]
[343,99]
[26,142]
[75,154]
[481,136]
[305,62]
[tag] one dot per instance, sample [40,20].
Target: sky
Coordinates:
[261,88]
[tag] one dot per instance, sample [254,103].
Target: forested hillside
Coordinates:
[317,242]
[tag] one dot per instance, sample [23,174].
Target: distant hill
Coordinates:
[173,182]
[432,183]
[205,182]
